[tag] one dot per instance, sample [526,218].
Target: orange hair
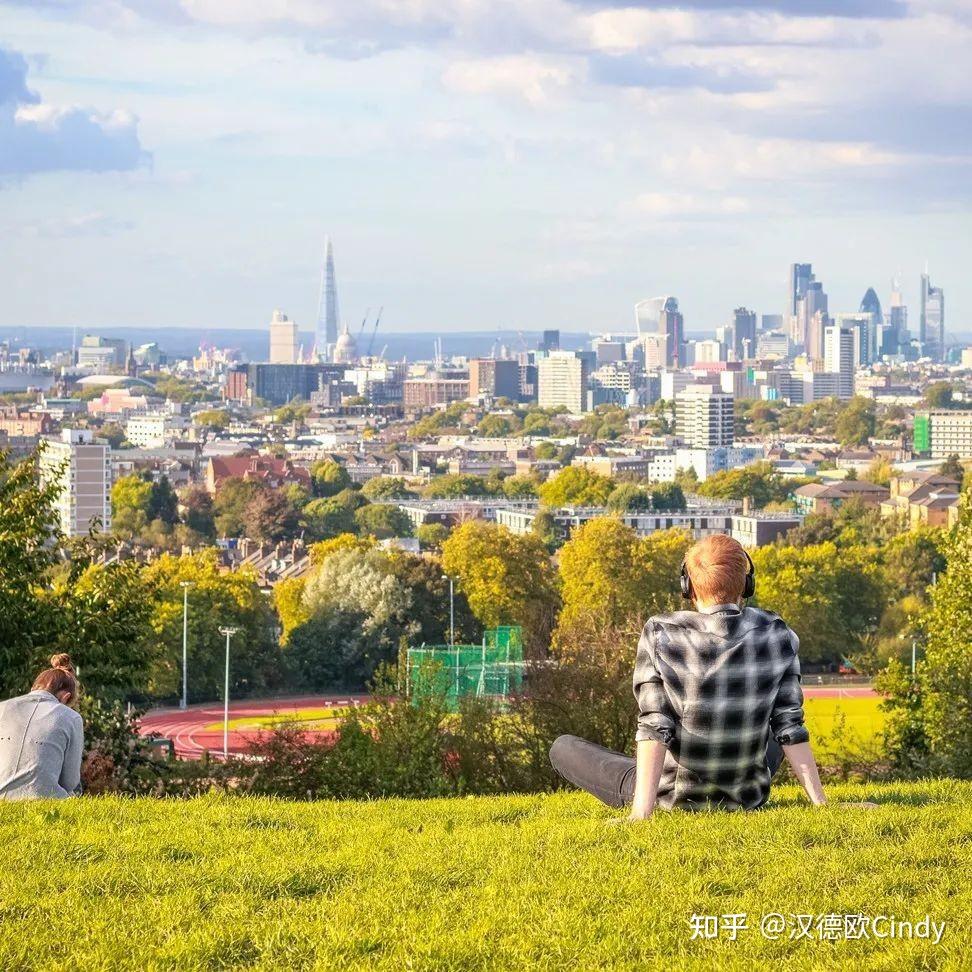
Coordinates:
[717,567]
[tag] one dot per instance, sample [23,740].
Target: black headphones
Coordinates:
[749,588]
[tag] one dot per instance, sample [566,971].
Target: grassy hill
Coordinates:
[485,883]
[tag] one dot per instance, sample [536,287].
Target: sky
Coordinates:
[478,164]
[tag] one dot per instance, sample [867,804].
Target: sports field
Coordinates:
[538,882]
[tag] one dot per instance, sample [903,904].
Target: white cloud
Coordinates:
[674,205]
[537,81]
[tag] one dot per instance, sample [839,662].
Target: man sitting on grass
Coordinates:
[719,701]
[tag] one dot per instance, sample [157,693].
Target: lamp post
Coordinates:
[229,632]
[184,701]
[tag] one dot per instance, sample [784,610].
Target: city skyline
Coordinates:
[478,166]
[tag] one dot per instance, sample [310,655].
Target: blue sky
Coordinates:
[478,163]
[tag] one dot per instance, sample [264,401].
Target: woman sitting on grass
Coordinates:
[41,738]
[719,700]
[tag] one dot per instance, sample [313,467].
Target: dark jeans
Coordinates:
[610,776]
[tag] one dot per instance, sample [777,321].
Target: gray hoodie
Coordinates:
[41,740]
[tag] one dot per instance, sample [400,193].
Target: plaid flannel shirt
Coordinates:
[712,685]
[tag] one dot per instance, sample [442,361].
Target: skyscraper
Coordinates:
[744,332]
[672,325]
[800,276]
[871,306]
[896,336]
[327,307]
[812,319]
[931,332]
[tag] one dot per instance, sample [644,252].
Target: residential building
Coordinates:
[283,339]
[704,416]
[940,433]
[562,378]
[494,378]
[15,422]
[154,430]
[840,349]
[823,497]
[275,473]
[922,499]
[80,467]
[418,393]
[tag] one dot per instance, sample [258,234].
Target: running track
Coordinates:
[195,730]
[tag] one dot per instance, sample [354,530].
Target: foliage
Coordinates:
[385,488]
[288,601]
[329,477]
[856,422]
[229,506]
[215,599]
[431,536]
[605,422]
[382,521]
[756,482]
[455,486]
[576,486]
[270,516]
[197,511]
[831,599]
[214,418]
[939,699]
[939,394]
[325,519]
[507,578]
[611,578]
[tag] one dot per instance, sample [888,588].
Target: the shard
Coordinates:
[327,308]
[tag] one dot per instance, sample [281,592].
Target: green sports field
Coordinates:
[487,883]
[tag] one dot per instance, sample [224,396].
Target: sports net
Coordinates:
[494,668]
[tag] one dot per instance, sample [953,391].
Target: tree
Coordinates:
[507,578]
[497,426]
[113,434]
[52,598]
[288,600]
[610,577]
[455,486]
[628,496]
[431,536]
[545,450]
[576,486]
[386,487]
[163,502]
[428,588]
[952,466]
[131,497]
[519,487]
[855,423]
[382,521]
[213,418]
[930,713]
[879,472]
[544,527]
[197,511]
[756,482]
[215,599]
[269,516]
[230,505]
[329,477]
[831,598]
[667,497]
[327,518]
[939,394]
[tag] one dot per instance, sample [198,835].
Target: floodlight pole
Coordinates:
[184,700]
[229,632]
[452,609]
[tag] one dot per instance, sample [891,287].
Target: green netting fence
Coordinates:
[494,668]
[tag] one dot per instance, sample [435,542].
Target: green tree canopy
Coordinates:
[576,486]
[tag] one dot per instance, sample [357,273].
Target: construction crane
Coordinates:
[374,331]
[364,321]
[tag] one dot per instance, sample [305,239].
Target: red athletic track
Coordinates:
[189,734]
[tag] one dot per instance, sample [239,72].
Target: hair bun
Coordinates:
[63,661]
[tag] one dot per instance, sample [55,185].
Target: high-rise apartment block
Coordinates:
[562,378]
[80,468]
[495,377]
[841,347]
[941,433]
[704,416]
[283,339]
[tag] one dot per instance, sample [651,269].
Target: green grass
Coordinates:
[486,883]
